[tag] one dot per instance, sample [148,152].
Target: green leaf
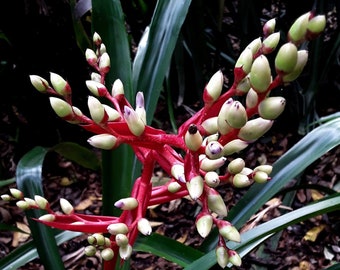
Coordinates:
[79,154]
[167,248]
[153,58]
[29,181]
[7,182]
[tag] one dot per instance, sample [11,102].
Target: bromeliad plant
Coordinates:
[194,158]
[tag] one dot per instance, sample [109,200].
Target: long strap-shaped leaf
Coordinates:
[153,59]
[29,181]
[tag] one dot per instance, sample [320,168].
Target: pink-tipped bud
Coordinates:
[90,251]
[213,89]
[107,254]
[140,109]
[103,141]
[245,60]
[286,58]
[271,107]
[47,217]
[207,164]
[228,231]
[222,123]
[60,85]
[117,88]
[298,30]
[91,57]
[236,166]
[192,138]
[41,202]
[260,177]
[98,89]
[121,240]
[270,43]
[212,179]
[134,122]
[66,206]
[104,63]
[61,108]
[125,252]
[210,125]
[204,224]
[240,180]
[234,258]
[144,226]
[113,115]
[236,116]
[177,171]
[97,110]
[315,26]
[234,146]
[222,256]
[97,40]
[16,193]
[251,98]
[39,83]
[23,205]
[116,228]
[129,203]
[195,187]
[302,58]
[269,27]
[213,150]
[260,74]
[255,128]
[216,203]
[96,77]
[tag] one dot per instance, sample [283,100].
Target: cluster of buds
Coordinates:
[226,125]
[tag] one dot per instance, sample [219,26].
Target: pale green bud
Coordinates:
[210,125]
[96,88]
[102,49]
[210,138]
[260,177]
[99,239]
[116,228]
[47,217]
[96,77]
[125,251]
[222,256]
[234,258]
[117,88]
[286,58]
[251,98]
[111,112]
[216,204]
[90,251]
[39,83]
[212,179]
[107,254]
[41,202]
[302,58]
[23,205]
[229,232]
[245,60]
[236,166]
[6,197]
[234,146]
[31,202]
[195,187]
[16,193]
[270,43]
[59,84]
[240,180]
[204,224]
[243,86]
[213,89]
[264,168]
[316,26]
[91,240]
[271,107]
[192,138]
[121,240]
[255,45]
[91,57]
[207,164]
[104,63]
[134,122]
[177,171]
[144,226]
[260,74]
[129,203]
[61,107]
[297,31]
[222,123]
[236,116]
[66,206]
[103,141]
[96,109]
[213,150]
[269,27]
[173,187]
[254,129]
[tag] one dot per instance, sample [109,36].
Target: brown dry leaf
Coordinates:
[305,265]
[183,238]
[313,233]
[19,237]
[301,196]
[156,223]
[316,195]
[85,203]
